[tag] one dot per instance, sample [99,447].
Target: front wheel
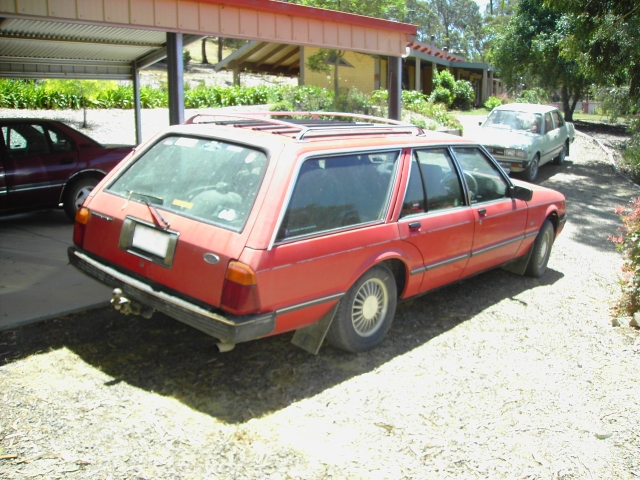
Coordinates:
[76,194]
[541,250]
[366,312]
[531,172]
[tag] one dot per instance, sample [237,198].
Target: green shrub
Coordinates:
[444,79]
[628,242]
[463,95]
[492,102]
[441,95]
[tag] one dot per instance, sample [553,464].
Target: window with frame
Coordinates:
[434,183]
[557,118]
[483,178]
[548,122]
[339,191]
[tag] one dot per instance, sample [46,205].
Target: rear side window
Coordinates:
[557,118]
[337,192]
[211,180]
[433,182]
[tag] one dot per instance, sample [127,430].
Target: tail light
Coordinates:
[240,290]
[82,218]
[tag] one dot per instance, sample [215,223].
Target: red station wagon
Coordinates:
[256,225]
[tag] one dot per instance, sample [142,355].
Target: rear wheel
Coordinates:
[366,312]
[559,160]
[541,251]
[76,193]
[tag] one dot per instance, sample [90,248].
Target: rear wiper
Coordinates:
[157,217]
[146,197]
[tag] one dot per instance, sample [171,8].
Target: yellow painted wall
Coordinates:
[361,76]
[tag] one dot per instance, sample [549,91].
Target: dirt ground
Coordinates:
[496,377]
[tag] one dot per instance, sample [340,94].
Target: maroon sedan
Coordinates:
[45,163]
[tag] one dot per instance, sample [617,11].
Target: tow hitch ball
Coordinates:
[127,306]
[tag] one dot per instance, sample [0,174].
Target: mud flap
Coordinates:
[310,338]
[519,265]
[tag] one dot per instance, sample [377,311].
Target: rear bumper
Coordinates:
[228,328]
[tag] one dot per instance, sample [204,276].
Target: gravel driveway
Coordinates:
[499,376]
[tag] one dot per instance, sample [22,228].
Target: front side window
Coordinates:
[211,180]
[482,176]
[339,191]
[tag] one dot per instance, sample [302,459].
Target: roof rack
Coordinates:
[311,124]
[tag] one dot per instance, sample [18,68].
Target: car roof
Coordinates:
[526,107]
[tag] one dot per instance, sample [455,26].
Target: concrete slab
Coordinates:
[36,280]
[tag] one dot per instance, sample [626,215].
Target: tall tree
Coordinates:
[461,26]
[604,39]
[531,46]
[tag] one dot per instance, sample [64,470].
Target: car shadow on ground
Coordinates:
[583,194]
[163,356]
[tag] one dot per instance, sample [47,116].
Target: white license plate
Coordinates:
[151,240]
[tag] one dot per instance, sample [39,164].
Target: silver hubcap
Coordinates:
[369,307]
[83,193]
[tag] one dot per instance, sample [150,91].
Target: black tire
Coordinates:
[76,193]
[366,312]
[559,160]
[531,172]
[541,250]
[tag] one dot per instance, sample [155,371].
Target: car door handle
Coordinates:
[66,161]
[415,225]
[482,211]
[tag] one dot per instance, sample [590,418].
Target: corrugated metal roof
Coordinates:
[14,28]
[27,42]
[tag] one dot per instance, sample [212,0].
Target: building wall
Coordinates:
[360,76]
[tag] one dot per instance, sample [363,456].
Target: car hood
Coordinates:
[503,137]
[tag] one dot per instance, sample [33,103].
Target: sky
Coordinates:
[482,4]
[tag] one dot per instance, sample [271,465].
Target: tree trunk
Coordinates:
[204,51]
[567,109]
[220,45]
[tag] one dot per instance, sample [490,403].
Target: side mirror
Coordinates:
[521,193]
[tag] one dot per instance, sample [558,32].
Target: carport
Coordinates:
[115,39]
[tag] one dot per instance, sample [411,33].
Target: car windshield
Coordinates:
[207,179]
[514,120]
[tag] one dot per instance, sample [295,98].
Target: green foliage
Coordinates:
[616,102]
[441,95]
[628,242]
[603,38]
[463,95]
[531,50]
[535,95]
[444,79]
[492,102]
[451,93]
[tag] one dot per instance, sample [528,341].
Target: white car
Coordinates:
[524,136]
